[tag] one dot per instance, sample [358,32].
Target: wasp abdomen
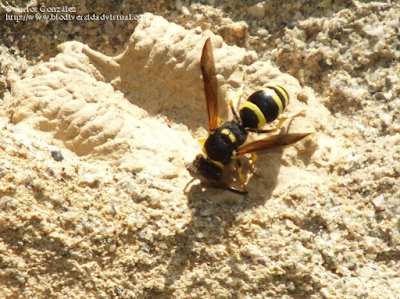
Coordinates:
[264,106]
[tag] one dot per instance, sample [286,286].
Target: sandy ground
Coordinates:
[99,118]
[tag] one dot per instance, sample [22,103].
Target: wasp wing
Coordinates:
[270,142]
[210,84]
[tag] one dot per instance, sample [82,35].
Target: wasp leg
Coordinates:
[237,117]
[201,141]
[238,95]
[240,174]
[281,119]
[291,116]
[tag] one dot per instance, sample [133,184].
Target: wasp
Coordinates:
[226,143]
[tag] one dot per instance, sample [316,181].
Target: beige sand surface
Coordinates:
[116,218]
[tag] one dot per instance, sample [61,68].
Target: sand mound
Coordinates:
[115,218]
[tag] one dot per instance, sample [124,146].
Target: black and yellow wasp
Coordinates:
[226,143]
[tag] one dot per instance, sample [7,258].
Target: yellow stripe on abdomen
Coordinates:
[260,116]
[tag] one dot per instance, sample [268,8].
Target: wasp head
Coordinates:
[204,169]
